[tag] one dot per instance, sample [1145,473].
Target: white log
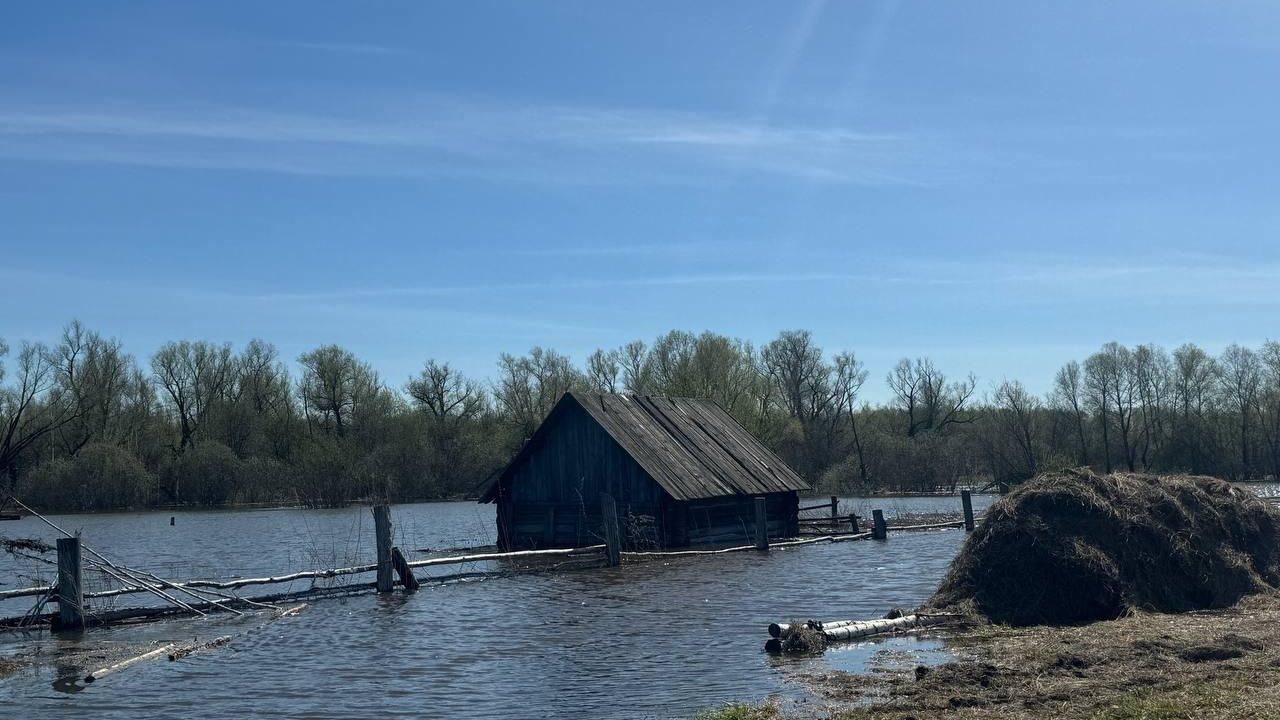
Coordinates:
[934,526]
[158,652]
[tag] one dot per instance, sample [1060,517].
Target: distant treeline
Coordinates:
[84,425]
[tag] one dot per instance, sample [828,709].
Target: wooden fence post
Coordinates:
[612,536]
[403,570]
[853,522]
[878,529]
[835,510]
[762,525]
[382,532]
[70,588]
[967,502]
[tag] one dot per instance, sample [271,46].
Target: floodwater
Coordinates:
[652,640]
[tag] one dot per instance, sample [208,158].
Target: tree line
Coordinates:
[86,426]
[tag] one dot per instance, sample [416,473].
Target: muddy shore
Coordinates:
[1206,664]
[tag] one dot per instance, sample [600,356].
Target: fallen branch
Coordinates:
[186,650]
[99,674]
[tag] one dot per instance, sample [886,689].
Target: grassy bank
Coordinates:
[1188,666]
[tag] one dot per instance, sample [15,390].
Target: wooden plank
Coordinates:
[762,525]
[612,536]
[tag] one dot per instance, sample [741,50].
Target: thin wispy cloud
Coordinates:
[445,136]
[568,285]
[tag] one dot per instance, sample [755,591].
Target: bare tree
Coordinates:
[1019,413]
[528,387]
[925,397]
[795,368]
[850,376]
[93,373]
[1268,403]
[334,385]
[1241,378]
[1112,393]
[1069,396]
[603,370]
[1195,379]
[195,377]
[444,394]
[32,407]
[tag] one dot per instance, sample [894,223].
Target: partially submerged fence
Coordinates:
[202,597]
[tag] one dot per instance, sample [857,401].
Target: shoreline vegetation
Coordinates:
[1199,665]
[86,426]
[1116,597]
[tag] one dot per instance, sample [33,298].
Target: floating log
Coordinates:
[932,526]
[186,650]
[158,652]
[844,630]
[776,629]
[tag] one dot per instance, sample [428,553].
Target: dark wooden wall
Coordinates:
[729,520]
[553,498]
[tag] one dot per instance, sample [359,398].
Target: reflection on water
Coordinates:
[657,639]
[900,652]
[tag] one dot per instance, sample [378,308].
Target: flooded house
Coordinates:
[681,472]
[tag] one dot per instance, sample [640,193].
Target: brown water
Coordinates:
[658,639]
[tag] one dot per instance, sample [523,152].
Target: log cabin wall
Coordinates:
[553,498]
[681,471]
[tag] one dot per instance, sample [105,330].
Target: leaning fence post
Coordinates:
[382,531]
[878,529]
[70,588]
[967,502]
[612,537]
[402,569]
[762,525]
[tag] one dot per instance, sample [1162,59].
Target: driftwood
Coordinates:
[845,630]
[186,650]
[158,652]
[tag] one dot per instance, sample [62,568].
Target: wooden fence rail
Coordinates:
[71,596]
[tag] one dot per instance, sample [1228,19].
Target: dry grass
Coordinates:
[1076,547]
[9,667]
[802,638]
[1189,666]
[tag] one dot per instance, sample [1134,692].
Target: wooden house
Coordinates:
[681,471]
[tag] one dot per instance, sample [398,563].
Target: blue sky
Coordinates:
[1000,185]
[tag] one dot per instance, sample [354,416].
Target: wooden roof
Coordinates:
[692,448]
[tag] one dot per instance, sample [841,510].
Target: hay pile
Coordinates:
[1075,547]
